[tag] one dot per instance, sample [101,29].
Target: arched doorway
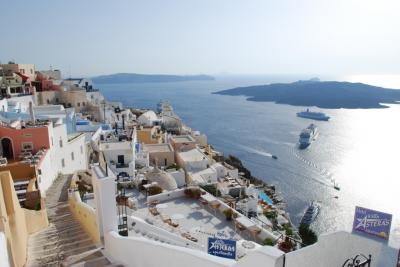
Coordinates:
[7,148]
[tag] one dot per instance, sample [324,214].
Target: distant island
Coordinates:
[148,78]
[323,94]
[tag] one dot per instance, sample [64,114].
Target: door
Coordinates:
[121,159]
[7,148]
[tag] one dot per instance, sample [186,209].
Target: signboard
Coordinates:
[222,248]
[372,222]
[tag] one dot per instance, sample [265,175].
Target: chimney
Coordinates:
[32,113]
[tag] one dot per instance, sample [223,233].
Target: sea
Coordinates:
[358,149]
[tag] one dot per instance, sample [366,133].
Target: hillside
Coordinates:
[326,94]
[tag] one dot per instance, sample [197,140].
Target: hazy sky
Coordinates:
[89,37]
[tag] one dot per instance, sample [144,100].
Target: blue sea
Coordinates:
[358,149]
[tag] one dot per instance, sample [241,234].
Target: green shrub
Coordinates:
[212,189]
[308,236]
[268,242]
[271,214]
[288,230]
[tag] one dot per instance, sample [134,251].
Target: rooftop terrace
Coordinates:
[182,139]
[158,148]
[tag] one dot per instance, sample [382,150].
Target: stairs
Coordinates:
[64,242]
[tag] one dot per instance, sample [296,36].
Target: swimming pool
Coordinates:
[265,197]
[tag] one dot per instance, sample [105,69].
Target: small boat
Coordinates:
[274,157]
[311,213]
[336,186]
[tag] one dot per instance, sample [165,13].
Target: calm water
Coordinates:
[358,148]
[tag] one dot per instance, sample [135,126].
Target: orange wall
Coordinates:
[38,136]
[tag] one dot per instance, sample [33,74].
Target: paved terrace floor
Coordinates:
[200,221]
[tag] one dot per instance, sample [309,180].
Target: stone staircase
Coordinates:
[64,242]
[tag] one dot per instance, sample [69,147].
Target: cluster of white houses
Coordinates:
[159,194]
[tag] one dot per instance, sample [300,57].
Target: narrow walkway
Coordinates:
[64,242]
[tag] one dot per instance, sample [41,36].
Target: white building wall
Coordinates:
[104,188]
[96,98]
[179,177]
[4,259]
[58,159]
[114,149]
[78,161]
[134,251]
[3,104]
[46,173]
[332,250]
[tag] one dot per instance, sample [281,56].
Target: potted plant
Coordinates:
[286,245]
[228,214]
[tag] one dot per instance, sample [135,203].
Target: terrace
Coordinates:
[187,218]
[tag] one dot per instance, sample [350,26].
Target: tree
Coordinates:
[308,236]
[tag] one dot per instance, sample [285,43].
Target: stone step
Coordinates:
[60,255]
[87,255]
[38,246]
[60,230]
[96,262]
[59,238]
[64,242]
[76,246]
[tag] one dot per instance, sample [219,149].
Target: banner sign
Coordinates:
[222,248]
[372,222]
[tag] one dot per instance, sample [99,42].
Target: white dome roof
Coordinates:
[165,180]
[147,118]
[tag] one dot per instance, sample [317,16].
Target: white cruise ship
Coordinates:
[313,115]
[308,135]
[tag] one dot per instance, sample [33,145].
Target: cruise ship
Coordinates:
[313,115]
[308,135]
[311,213]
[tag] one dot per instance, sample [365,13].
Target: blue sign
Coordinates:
[222,248]
[372,222]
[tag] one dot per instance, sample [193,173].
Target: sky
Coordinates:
[93,37]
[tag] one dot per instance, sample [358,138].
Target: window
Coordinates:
[121,159]
[61,143]
[31,71]
[79,104]
[57,100]
[27,146]
[72,156]
[83,103]
[63,163]
[81,149]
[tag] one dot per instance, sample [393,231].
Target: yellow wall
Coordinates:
[84,213]
[13,220]
[145,135]
[37,219]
